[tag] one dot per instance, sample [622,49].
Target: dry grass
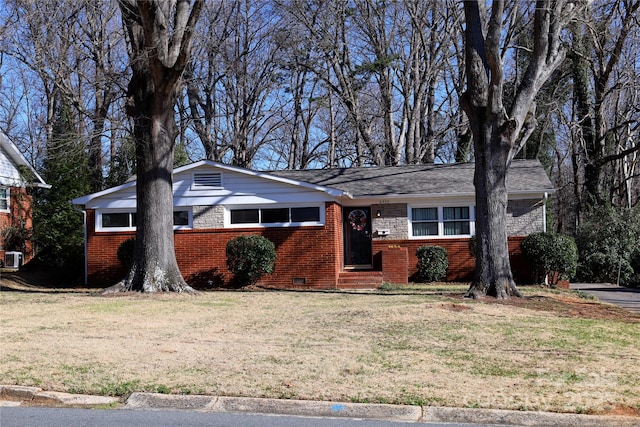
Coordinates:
[552,351]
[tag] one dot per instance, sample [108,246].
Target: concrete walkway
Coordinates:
[28,396]
[628,298]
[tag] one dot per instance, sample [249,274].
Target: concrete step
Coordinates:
[360,279]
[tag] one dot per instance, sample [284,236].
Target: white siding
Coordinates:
[238,189]
[9,174]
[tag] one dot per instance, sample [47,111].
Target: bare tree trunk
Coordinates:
[159,52]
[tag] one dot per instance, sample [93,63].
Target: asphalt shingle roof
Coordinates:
[523,176]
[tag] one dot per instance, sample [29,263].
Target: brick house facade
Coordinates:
[17,177]
[356,227]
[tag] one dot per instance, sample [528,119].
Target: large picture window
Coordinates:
[442,221]
[273,217]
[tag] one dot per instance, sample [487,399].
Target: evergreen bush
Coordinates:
[432,263]
[608,240]
[15,237]
[635,266]
[550,252]
[250,258]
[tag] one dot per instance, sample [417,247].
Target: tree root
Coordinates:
[494,289]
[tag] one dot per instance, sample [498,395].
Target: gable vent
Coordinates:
[202,181]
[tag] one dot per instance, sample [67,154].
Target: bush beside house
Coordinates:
[552,255]
[432,263]
[250,258]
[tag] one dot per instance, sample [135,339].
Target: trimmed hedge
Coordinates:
[433,262]
[550,252]
[250,258]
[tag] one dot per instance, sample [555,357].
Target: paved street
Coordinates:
[65,417]
[628,298]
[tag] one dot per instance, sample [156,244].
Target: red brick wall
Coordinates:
[314,254]
[395,264]
[461,263]
[309,253]
[20,206]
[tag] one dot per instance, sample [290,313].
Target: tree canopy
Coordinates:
[317,84]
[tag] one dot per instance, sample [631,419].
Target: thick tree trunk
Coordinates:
[498,134]
[157,61]
[493,275]
[155,267]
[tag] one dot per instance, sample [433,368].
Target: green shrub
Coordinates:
[432,263]
[550,252]
[606,266]
[608,240]
[125,252]
[15,237]
[635,266]
[250,258]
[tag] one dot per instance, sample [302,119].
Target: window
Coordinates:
[441,221]
[180,218]
[311,214]
[456,221]
[4,199]
[117,220]
[245,216]
[270,216]
[125,221]
[276,216]
[425,221]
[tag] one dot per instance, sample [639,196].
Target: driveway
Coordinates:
[628,298]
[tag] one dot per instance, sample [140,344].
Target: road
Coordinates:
[64,417]
[628,298]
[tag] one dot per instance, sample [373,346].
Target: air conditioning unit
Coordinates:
[12,259]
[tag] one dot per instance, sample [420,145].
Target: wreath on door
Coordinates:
[357,219]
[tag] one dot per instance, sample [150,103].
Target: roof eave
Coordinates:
[80,201]
[538,192]
[20,160]
[334,192]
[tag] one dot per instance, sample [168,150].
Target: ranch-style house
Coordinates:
[332,228]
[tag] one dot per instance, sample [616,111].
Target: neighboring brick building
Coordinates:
[332,228]
[17,176]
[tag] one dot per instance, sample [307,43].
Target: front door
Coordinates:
[357,237]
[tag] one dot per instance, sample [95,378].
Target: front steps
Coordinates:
[360,279]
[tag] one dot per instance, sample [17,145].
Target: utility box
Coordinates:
[13,260]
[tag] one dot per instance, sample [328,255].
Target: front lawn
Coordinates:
[420,344]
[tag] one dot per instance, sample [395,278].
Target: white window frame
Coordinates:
[228,209]
[100,212]
[441,221]
[7,198]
